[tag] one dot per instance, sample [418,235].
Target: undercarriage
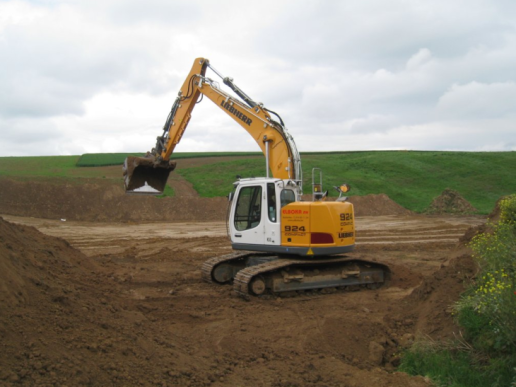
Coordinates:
[257,274]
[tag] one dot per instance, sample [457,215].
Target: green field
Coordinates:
[411,178]
[39,166]
[106,159]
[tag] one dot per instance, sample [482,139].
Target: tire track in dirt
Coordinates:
[412,230]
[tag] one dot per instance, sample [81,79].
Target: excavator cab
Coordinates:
[267,215]
[253,218]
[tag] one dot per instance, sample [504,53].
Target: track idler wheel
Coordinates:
[258,286]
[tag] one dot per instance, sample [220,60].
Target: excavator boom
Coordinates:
[149,174]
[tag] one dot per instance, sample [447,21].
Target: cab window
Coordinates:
[248,209]
[287,196]
[271,201]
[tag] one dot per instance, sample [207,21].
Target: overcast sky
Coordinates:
[87,76]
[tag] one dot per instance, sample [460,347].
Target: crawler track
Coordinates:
[208,267]
[257,274]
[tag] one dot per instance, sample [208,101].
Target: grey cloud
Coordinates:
[479,100]
[25,95]
[343,75]
[29,137]
[151,11]
[375,34]
[53,65]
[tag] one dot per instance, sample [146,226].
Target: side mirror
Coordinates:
[230,196]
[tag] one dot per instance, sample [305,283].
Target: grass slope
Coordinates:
[38,166]
[411,178]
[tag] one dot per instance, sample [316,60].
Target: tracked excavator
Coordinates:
[281,243]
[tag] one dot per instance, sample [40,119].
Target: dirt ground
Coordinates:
[87,302]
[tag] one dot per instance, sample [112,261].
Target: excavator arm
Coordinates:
[149,174]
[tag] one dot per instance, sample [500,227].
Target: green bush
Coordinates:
[508,210]
[474,324]
[494,295]
[496,251]
[444,367]
[456,364]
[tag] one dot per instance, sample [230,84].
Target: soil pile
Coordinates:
[61,325]
[102,202]
[377,205]
[33,263]
[450,202]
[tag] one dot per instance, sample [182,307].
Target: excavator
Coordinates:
[281,243]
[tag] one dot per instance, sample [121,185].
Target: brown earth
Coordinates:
[103,201]
[84,302]
[450,202]
[485,228]
[374,205]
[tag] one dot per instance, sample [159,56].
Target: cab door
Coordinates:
[247,222]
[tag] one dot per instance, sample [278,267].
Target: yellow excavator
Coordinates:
[282,243]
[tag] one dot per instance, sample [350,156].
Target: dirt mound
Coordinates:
[61,322]
[450,202]
[32,262]
[102,202]
[43,299]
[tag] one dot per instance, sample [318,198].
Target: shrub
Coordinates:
[488,315]
[508,210]
[493,297]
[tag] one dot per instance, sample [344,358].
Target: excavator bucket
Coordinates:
[144,175]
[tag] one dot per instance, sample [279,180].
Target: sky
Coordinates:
[100,76]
